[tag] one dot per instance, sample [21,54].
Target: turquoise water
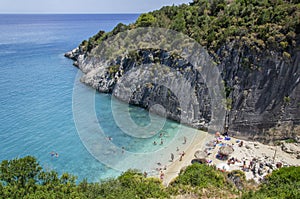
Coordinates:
[37,101]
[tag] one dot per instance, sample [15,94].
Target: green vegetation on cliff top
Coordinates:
[25,178]
[258,24]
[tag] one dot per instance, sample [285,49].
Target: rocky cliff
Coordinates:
[254,45]
[264,95]
[262,88]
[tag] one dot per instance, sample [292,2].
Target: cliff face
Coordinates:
[262,88]
[177,90]
[264,91]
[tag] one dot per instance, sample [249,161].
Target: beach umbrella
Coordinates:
[223,167]
[200,154]
[226,150]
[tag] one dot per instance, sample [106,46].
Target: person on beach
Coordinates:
[225,134]
[172,157]
[145,174]
[177,149]
[180,159]
[162,175]
[241,144]
[184,140]
[181,156]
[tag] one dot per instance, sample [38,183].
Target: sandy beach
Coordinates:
[174,168]
[254,158]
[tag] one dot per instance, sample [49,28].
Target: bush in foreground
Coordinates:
[283,183]
[25,178]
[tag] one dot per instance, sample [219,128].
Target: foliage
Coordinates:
[200,175]
[257,24]
[203,181]
[131,184]
[283,183]
[286,99]
[290,141]
[21,173]
[24,178]
[113,69]
[145,20]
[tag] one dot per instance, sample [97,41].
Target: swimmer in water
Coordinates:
[109,138]
[161,141]
[54,154]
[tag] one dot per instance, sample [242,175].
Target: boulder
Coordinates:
[290,148]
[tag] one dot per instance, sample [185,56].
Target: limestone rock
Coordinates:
[290,148]
[264,95]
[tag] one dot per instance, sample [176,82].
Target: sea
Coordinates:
[46,112]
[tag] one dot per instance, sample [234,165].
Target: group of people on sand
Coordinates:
[172,156]
[258,167]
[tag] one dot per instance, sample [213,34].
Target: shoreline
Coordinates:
[174,168]
[266,157]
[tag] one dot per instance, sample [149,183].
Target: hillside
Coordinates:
[255,46]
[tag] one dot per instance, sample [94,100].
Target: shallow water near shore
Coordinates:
[36,91]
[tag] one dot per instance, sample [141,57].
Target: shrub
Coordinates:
[286,55]
[200,175]
[282,183]
[145,20]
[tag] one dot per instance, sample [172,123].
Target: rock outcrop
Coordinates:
[262,88]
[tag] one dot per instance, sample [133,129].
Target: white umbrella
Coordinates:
[200,154]
[226,150]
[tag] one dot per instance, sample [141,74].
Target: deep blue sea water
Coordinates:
[36,96]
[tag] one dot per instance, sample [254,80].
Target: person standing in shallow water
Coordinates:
[184,140]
